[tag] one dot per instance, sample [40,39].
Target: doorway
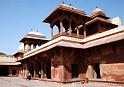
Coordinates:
[97,70]
[4,71]
[74,68]
[48,69]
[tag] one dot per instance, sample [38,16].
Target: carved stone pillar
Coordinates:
[90,72]
[27,47]
[34,69]
[51,30]
[77,29]
[61,26]
[69,30]
[77,32]
[26,68]
[44,70]
[52,72]
[84,31]
[34,46]
[62,70]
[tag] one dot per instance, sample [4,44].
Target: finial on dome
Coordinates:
[37,30]
[69,4]
[63,2]
[98,12]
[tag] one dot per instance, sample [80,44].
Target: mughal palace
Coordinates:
[84,47]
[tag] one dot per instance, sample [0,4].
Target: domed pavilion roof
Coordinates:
[34,35]
[98,12]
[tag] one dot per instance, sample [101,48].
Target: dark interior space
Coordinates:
[4,71]
[74,70]
[97,70]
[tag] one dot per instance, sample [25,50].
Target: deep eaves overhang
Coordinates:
[63,41]
[91,41]
[65,8]
[32,38]
[106,37]
[98,19]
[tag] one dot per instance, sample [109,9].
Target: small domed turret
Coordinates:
[32,40]
[35,34]
[98,12]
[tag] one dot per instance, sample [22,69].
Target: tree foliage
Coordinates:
[1,53]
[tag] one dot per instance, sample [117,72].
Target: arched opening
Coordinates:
[4,71]
[65,25]
[55,30]
[48,69]
[81,30]
[73,26]
[97,70]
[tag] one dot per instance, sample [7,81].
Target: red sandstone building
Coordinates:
[84,47]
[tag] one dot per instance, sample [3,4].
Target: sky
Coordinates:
[18,17]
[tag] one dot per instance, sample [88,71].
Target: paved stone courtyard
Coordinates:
[19,82]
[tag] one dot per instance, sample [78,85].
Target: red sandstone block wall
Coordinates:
[112,72]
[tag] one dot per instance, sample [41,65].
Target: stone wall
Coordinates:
[110,58]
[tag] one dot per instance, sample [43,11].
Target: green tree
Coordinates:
[1,53]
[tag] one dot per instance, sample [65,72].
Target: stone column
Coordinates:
[34,46]
[51,31]
[90,72]
[77,29]
[52,72]
[37,46]
[70,30]
[26,68]
[34,70]
[23,72]
[27,47]
[62,70]
[77,32]
[61,26]
[44,70]
[84,31]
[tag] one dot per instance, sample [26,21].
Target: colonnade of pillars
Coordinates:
[37,70]
[28,47]
[69,30]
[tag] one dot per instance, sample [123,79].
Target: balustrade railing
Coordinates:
[67,34]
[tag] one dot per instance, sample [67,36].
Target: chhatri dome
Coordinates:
[32,35]
[35,33]
[98,12]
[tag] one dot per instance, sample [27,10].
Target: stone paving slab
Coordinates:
[19,82]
